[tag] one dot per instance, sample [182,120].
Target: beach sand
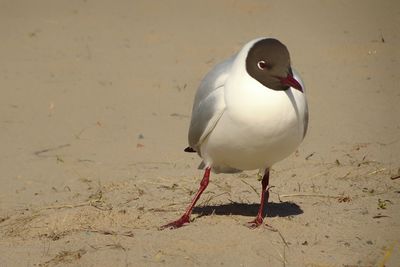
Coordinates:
[95,105]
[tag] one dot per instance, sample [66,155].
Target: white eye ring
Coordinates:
[262,65]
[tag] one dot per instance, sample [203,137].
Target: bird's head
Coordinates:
[268,62]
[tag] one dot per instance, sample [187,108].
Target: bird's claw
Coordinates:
[176,224]
[255,223]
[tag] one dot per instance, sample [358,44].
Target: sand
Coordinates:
[95,105]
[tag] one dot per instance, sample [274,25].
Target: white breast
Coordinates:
[259,127]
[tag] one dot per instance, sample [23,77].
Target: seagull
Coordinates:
[250,112]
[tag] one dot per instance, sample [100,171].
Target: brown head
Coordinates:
[268,61]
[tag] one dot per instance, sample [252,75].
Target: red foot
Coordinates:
[178,223]
[186,216]
[256,222]
[264,198]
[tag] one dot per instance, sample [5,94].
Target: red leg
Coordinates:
[186,216]
[264,198]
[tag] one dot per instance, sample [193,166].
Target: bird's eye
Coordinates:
[262,65]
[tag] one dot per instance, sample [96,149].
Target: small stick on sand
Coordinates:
[108,232]
[207,201]
[252,187]
[273,229]
[70,206]
[309,195]
[377,171]
[40,152]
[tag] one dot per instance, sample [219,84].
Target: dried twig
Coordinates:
[377,171]
[310,155]
[395,177]
[108,232]
[283,257]
[380,216]
[65,257]
[273,229]
[207,201]
[279,197]
[70,206]
[344,176]
[310,195]
[388,254]
[319,174]
[40,152]
[252,187]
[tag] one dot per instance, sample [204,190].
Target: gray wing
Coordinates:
[305,123]
[298,78]
[209,103]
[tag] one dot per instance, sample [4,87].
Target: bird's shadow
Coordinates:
[280,209]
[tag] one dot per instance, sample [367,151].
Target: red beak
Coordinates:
[292,82]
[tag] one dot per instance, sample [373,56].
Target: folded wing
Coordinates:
[209,104]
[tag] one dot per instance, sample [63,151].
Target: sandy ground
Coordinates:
[95,104]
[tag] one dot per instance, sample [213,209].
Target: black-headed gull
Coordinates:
[249,112]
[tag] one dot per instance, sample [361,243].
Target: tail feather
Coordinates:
[190,150]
